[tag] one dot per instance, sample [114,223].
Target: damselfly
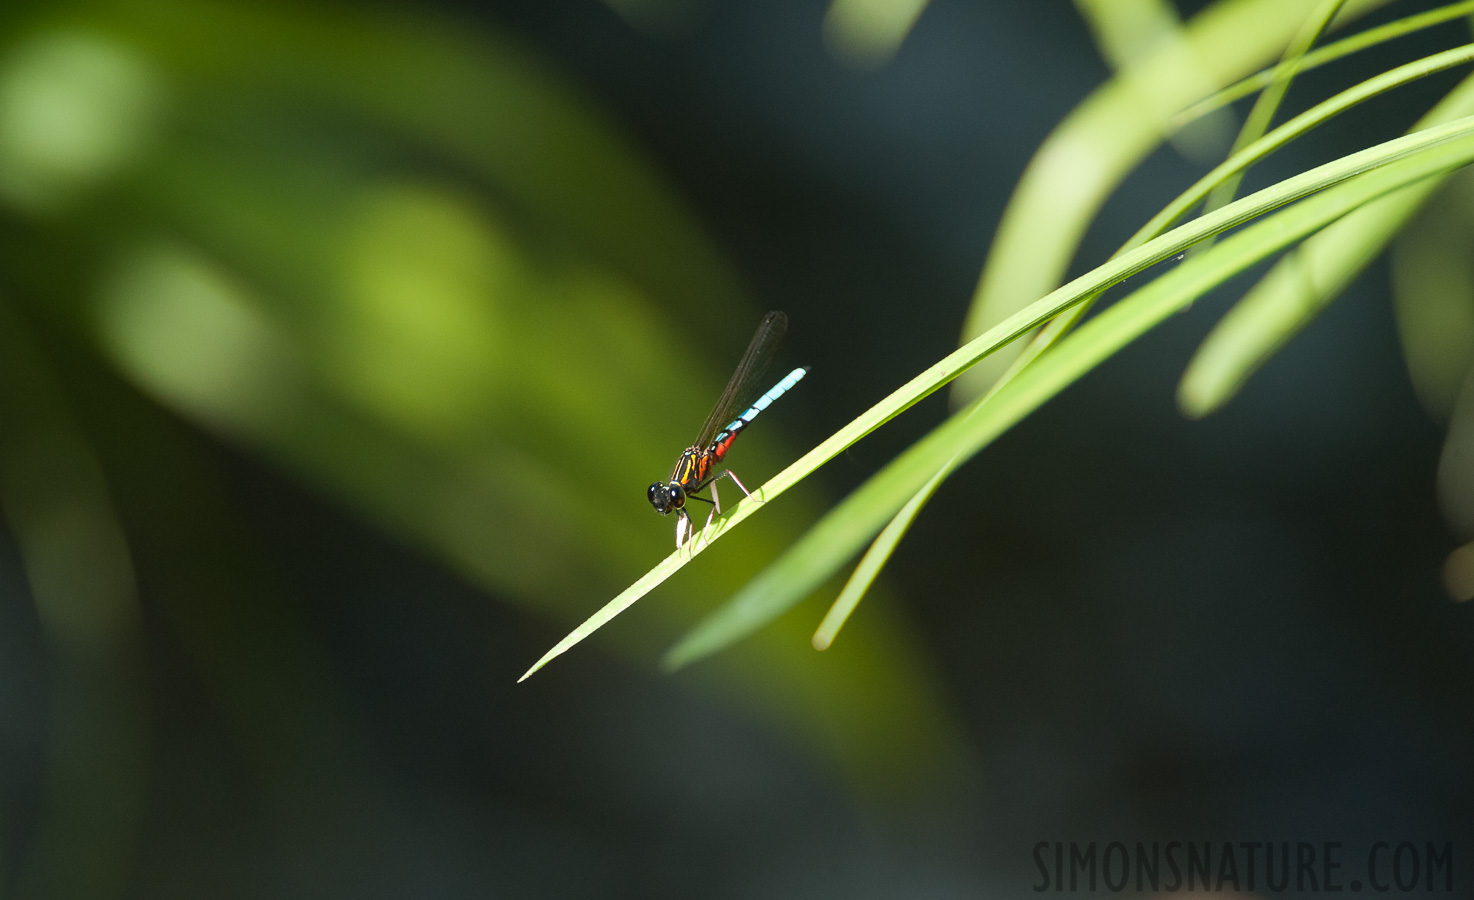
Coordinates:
[697,466]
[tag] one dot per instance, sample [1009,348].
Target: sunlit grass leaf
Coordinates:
[1372,173]
[1268,102]
[1305,281]
[1328,53]
[1103,139]
[875,557]
[753,607]
[874,560]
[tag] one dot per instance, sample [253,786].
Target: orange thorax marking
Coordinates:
[693,469]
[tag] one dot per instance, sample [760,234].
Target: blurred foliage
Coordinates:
[1108,135]
[1433,292]
[866,33]
[409,265]
[1433,282]
[1305,282]
[1129,30]
[77,561]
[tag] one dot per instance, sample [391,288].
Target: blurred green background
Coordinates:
[338,344]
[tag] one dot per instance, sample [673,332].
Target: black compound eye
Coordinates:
[677,495]
[659,496]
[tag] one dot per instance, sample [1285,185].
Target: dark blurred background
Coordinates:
[338,358]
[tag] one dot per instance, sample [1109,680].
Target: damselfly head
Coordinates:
[666,497]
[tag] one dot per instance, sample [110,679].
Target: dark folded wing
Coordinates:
[747,379]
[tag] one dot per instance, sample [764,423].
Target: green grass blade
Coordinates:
[1118,137]
[1316,115]
[884,545]
[1103,139]
[1327,54]
[876,556]
[815,557]
[1268,102]
[874,560]
[1302,284]
[1021,322]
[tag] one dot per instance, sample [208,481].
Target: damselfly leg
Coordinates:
[716,501]
[684,529]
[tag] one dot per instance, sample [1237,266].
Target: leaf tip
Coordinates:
[1196,399]
[675,658]
[547,657]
